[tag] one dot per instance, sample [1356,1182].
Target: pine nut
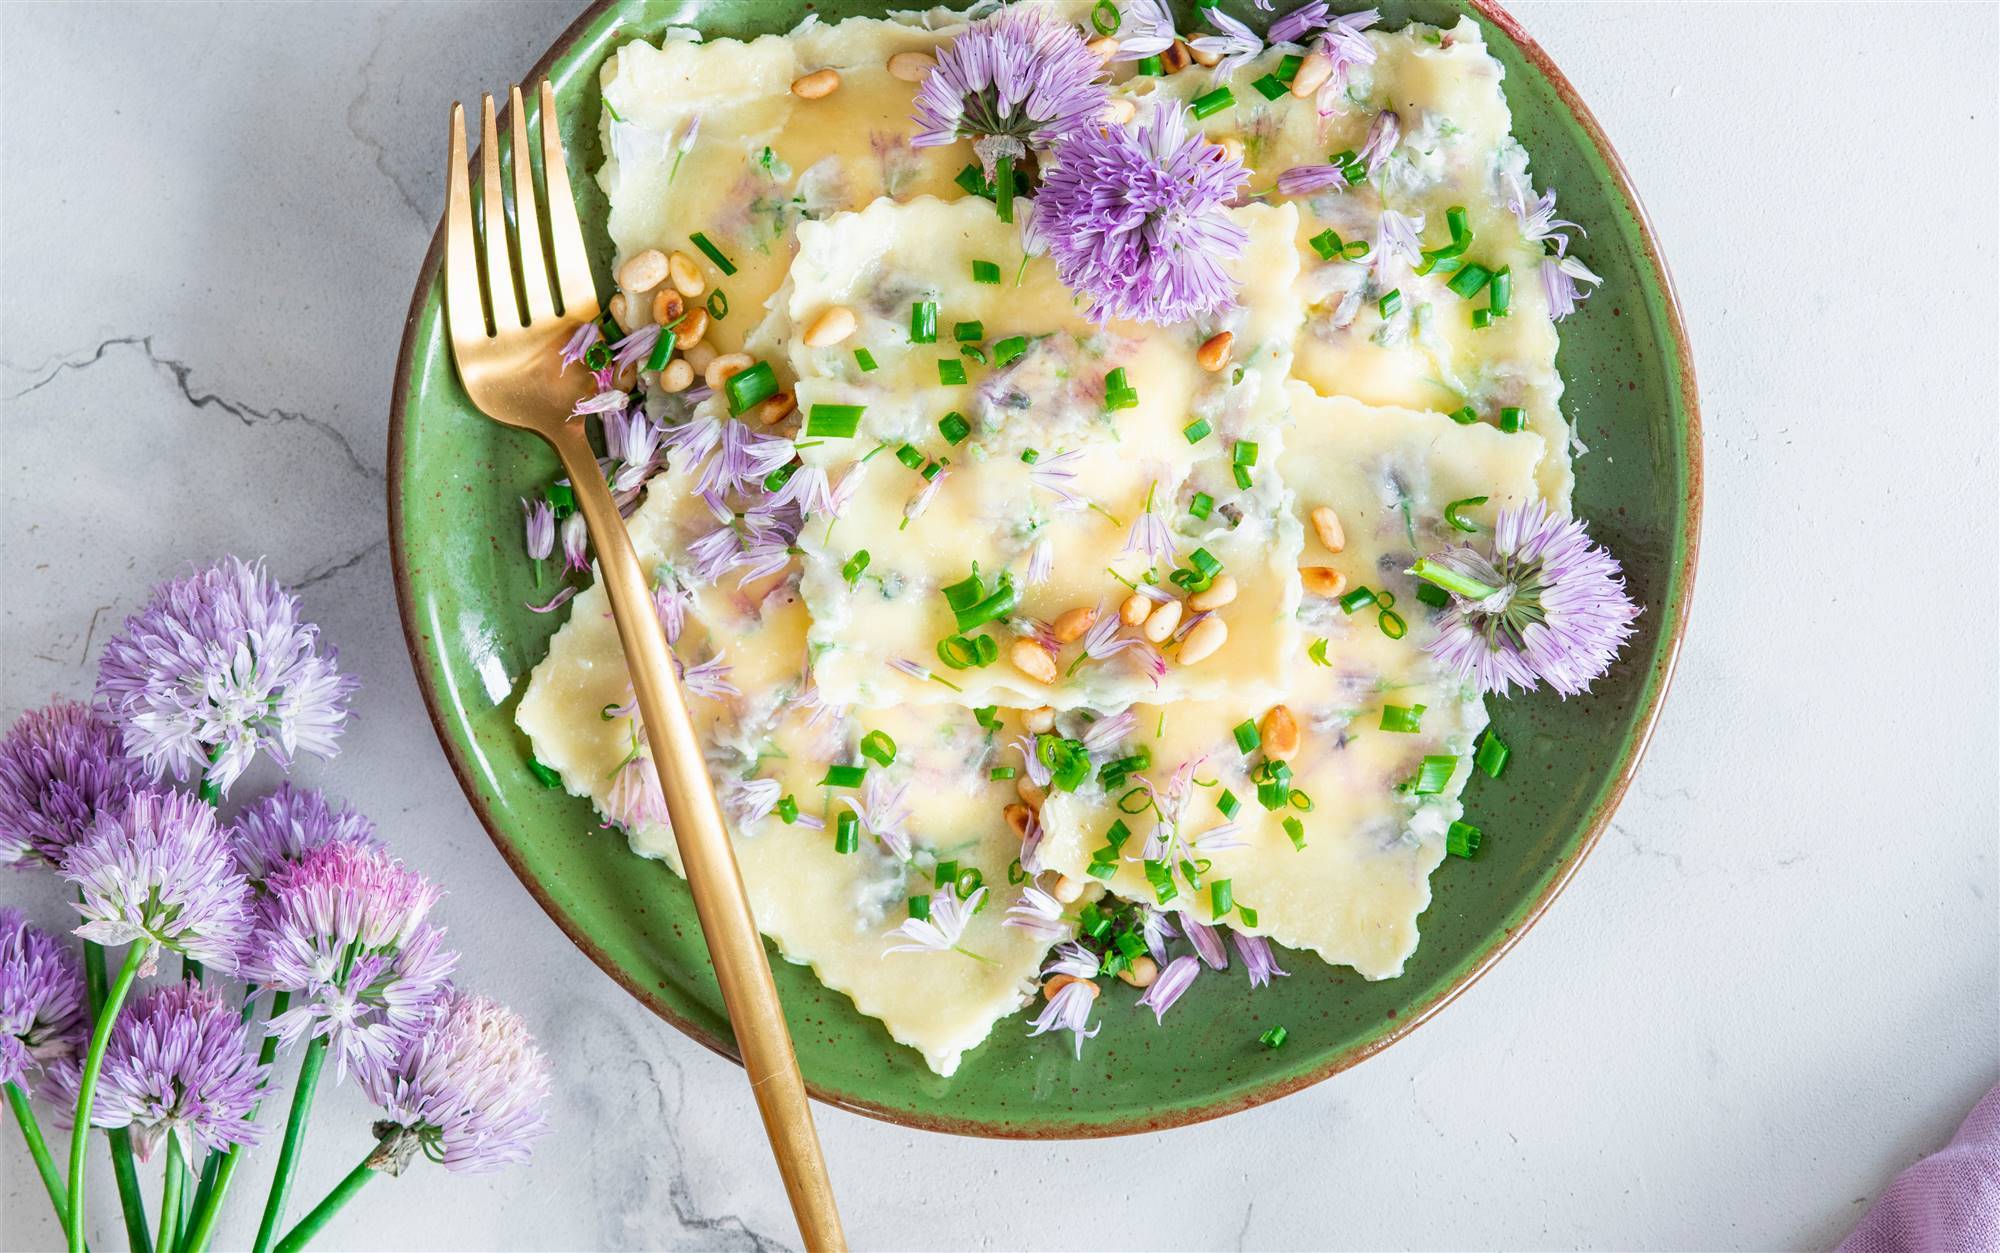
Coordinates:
[1031,795]
[1279,732]
[1057,983]
[1141,973]
[1120,111]
[1214,354]
[830,327]
[773,409]
[700,356]
[1069,627]
[1311,74]
[693,330]
[617,308]
[1175,57]
[1326,525]
[1033,660]
[1219,593]
[1134,610]
[1066,890]
[1201,642]
[725,367]
[667,306]
[911,67]
[1039,721]
[1207,60]
[1019,819]
[677,375]
[687,279]
[1162,621]
[1104,47]
[1323,580]
[817,85]
[643,271]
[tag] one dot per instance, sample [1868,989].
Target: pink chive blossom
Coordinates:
[1149,535]
[1031,843]
[562,597]
[1040,915]
[1543,604]
[634,347]
[942,931]
[1038,771]
[1017,81]
[1537,214]
[1055,474]
[1073,959]
[280,829]
[1258,961]
[763,558]
[1310,180]
[1156,928]
[1146,30]
[580,343]
[714,554]
[748,802]
[922,500]
[709,680]
[1396,239]
[1384,133]
[607,401]
[468,1093]
[1173,980]
[1041,563]
[1223,835]
[1069,1010]
[1299,23]
[575,545]
[635,801]
[538,523]
[42,1009]
[633,441]
[1105,734]
[159,870]
[1343,43]
[1560,276]
[1235,43]
[58,767]
[671,600]
[1206,942]
[744,459]
[695,440]
[218,666]
[903,665]
[883,813]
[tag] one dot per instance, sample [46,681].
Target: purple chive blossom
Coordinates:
[1156,928]
[41,999]
[637,444]
[748,802]
[1396,239]
[1055,474]
[1310,180]
[1258,961]
[1038,771]
[553,603]
[1545,605]
[695,439]
[575,545]
[709,680]
[635,801]
[159,869]
[280,829]
[635,347]
[580,343]
[941,932]
[1221,836]
[58,767]
[1560,276]
[1537,215]
[1149,535]
[1103,642]
[744,459]
[1069,1010]
[1236,43]
[607,401]
[1106,733]
[1384,133]
[811,491]
[1344,44]
[220,663]
[468,1093]
[345,933]
[762,559]
[922,500]
[538,522]
[1075,960]
[714,554]
[883,814]
[1293,27]
[1041,563]
[1166,988]
[1207,943]
[1040,915]
[178,1062]
[1134,218]
[1147,30]
[1012,83]
[903,665]
[672,600]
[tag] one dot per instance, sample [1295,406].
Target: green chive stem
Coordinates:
[208,1201]
[343,1192]
[1451,580]
[123,1168]
[288,1151]
[38,1148]
[86,1088]
[170,1196]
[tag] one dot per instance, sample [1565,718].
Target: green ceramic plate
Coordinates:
[454,528]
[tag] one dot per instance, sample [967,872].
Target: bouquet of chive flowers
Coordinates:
[226,945]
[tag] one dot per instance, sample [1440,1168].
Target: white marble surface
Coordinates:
[1774,983]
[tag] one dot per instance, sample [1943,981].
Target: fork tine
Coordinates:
[502,291]
[462,293]
[573,281]
[528,220]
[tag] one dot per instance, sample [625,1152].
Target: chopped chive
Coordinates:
[987,716]
[844,776]
[923,322]
[986,272]
[1274,1038]
[1513,418]
[597,356]
[713,253]
[543,774]
[1288,67]
[964,652]
[909,456]
[1390,302]
[781,476]
[864,359]
[1433,595]
[1030,456]
[932,469]
[1202,505]
[1161,877]
[854,566]
[1317,651]
[1221,898]
[1212,102]
[972,352]
[1300,801]
[1357,599]
[1101,869]
[663,351]
[954,428]
[561,498]
[1392,624]
[974,181]
[951,372]
[920,907]
[718,304]
[878,747]
[1482,318]
[1469,280]
[1500,292]
[1116,834]
[846,832]
[1451,515]
[1247,738]
[1326,244]
[1434,775]
[968,332]
[1204,561]
[1104,17]
[946,872]
[749,388]
[1295,831]
[1461,839]
[1242,476]
[1003,188]
[1197,430]
[1492,755]
[1130,943]
[1248,914]
[1228,803]
[1243,453]
[788,809]
[1015,874]
[1408,720]
[1465,416]
[1270,86]
[1003,772]
[1149,65]
[832,421]
[1009,348]
[1454,219]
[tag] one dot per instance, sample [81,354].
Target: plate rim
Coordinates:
[1647,722]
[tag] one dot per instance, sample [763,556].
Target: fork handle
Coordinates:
[734,943]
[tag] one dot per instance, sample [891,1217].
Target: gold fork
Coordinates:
[506,334]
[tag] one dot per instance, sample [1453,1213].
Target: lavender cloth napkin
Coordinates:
[1949,1201]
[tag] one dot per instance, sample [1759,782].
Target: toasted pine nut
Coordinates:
[618,310]
[1033,660]
[1201,642]
[1323,580]
[1142,972]
[1219,593]
[817,85]
[693,329]
[911,67]
[1104,47]
[1162,621]
[1214,353]
[1120,111]
[1207,60]
[1134,610]
[773,409]
[1039,721]
[1279,732]
[725,367]
[668,305]
[687,279]
[1030,795]
[830,327]
[1176,56]
[1326,525]
[1069,626]
[677,375]
[1057,983]
[1311,74]
[1066,889]
[1019,818]
[699,357]
[643,271]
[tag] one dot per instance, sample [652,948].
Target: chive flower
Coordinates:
[280,829]
[671,600]
[1543,605]
[1039,914]
[1234,42]
[942,931]
[1206,943]
[1258,961]
[468,1092]
[580,342]
[1149,535]
[1013,83]
[1055,474]
[159,869]
[1384,133]
[41,999]
[1073,959]
[1174,979]
[1343,43]
[883,814]
[218,666]
[538,525]
[748,802]
[1302,21]
[58,767]
[1560,276]
[1146,30]
[635,800]
[1156,928]
[1041,563]
[575,545]
[1396,239]
[1069,1010]
[708,679]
